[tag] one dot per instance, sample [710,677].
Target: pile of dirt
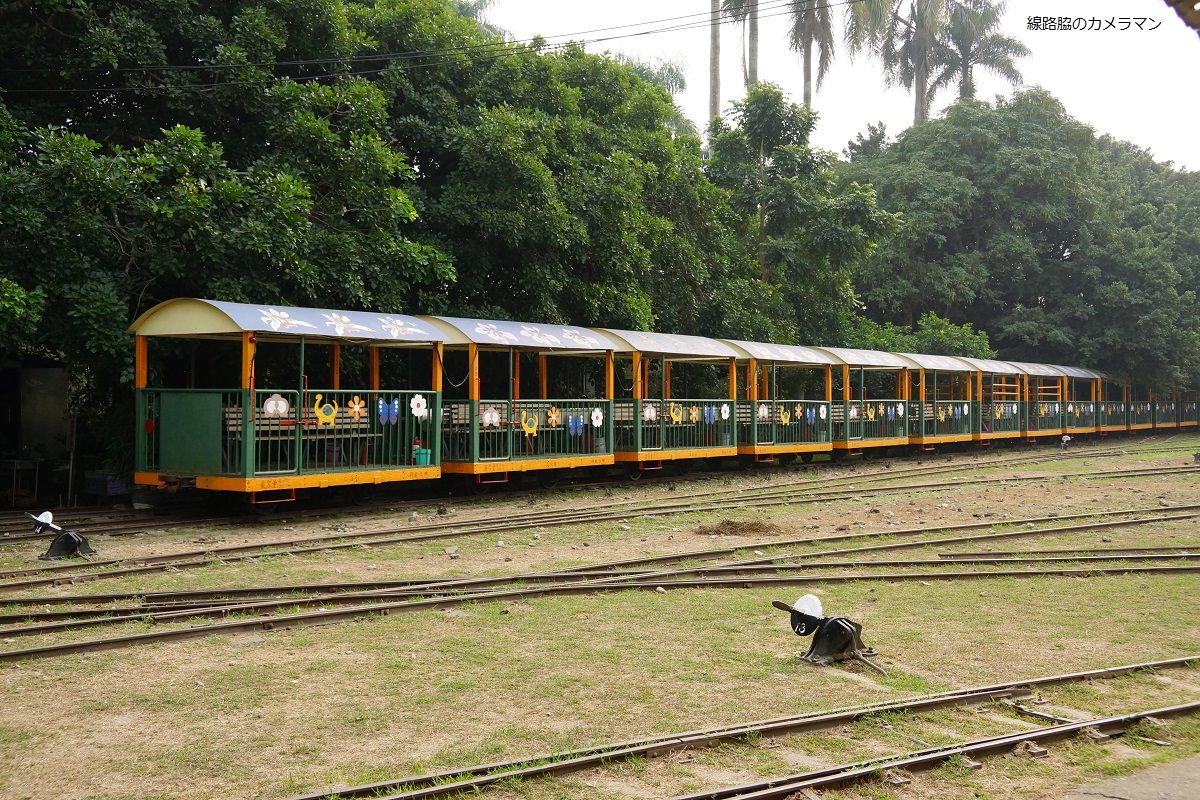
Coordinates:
[730,527]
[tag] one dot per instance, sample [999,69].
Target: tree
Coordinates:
[745,14]
[812,30]
[808,233]
[714,61]
[971,40]
[905,40]
[475,10]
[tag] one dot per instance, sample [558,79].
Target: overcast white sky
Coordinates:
[1135,84]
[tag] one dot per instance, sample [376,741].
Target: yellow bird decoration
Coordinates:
[676,412]
[941,415]
[529,423]
[326,412]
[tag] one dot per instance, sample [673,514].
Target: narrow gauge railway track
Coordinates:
[112,522]
[425,596]
[752,498]
[473,779]
[1101,519]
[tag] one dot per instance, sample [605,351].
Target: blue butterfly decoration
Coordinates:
[575,424]
[957,412]
[891,413]
[710,414]
[388,412]
[811,415]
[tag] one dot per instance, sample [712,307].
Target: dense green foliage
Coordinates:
[1064,246]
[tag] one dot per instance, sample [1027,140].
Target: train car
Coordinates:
[655,427]
[1189,409]
[999,400]
[491,428]
[1081,388]
[1140,401]
[246,415]
[942,406]
[1112,406]
[783,419]
[1043,389]
[870,409]
[1166,411]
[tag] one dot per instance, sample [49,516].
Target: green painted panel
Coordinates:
[189,431]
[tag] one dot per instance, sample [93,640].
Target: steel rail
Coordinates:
[471,779]
[345,540]
[1191,547]
[845,774]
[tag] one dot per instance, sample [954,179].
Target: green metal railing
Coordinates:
[941,418]
[1080,414]
[783,422]
[1045,415]
[861,420]
[676,424]
[284,432]
[1141,412]
[1190,411]
[1111,412]
[504,430]
[1166,413]
[1005,416]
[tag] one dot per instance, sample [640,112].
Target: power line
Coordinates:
[493,52]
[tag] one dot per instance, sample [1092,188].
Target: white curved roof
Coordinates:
[938,363]
[196,318]
[866,358]
[1079,372]
[534,336]
[1041,370]
[991,365]
[784,353]
[672,345]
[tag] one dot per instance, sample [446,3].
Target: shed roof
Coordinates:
[938,363]
[1042,370]
[788,353]
[991,365]
[530,335]
[672,345]
[1079,372]
[195,318]
[866,358]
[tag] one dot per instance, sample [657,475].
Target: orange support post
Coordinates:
[247,360]
[438,351]
[733,379]
[846,382]
[666,379]
[828,383]
[516,373]
[374,366]
[610,383]
[141,366]
[543,374]
[335,367]
[637,375]
[752,380]
[473,372]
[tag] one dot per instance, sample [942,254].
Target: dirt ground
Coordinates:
[271,715]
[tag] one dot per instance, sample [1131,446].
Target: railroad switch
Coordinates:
[65,543]
[834,638]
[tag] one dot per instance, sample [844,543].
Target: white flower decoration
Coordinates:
[341,324]
[763,411]
[276,319]
[397,327]
[1070,408]
[420,409]
[725,411]
[597,418]
[966,409]
[649,412]
[824,412]
[492,332]
[536,333]
[572,335]
[899,409]
[491,417]
[853,412]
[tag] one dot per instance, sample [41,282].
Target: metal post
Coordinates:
[335,367]
[248,406]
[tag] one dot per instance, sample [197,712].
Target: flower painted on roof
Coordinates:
[275,406]
[539,336]
[491,417]
[553,416]
[398,327]
[492,332]
[597,418]
[420,409]
[281,320]
[342,324]
[649,412]
[356,408]
[725,411]
[580,338]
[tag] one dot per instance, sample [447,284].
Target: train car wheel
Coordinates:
[634,472]
[787,459]
[684,466]
[807,458]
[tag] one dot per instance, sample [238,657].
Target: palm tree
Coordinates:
[474,9]
[972,41]
[812,29]
[745,12]
[905,35]
[714,61]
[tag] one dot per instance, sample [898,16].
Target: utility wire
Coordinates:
[413,61]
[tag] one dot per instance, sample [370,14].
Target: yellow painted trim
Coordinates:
[1141,426]
[674,455]
[1045,432]
[857,445]
[1189,424]
[982,437]
[1113,428]
[1166,425]
[148,479]
[1088,429]
[764,449]
[526,464]
[950,437]
[317,481]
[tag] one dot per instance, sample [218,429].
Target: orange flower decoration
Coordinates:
[694,414]
[553,417]
[356,408]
